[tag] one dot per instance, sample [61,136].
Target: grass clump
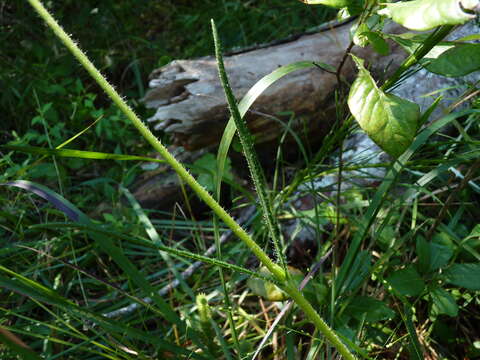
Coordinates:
[403,277]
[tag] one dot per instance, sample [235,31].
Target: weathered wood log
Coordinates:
[191,106]
[192,109]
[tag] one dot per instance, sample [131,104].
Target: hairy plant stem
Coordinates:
[246,140]
[288,284]
[275,269]
[311,313]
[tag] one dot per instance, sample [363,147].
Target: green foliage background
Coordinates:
[126,40]
[48,97]
[405,274]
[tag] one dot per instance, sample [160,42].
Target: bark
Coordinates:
[191,107]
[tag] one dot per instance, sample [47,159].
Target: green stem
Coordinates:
[288,285]
[321,325]
[434,38]
[276,270]
[246,140]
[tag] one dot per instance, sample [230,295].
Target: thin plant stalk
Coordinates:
[435,37]
[288,285]
[246,140]
[276,270]
[203,194]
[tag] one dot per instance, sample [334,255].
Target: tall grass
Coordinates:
[182,323]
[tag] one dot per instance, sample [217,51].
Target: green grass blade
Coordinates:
[80,133]
[62,204]
[24,353]
[78,153]
[27,287]
[153,234]
[106,244]
[245,104]
[416,351]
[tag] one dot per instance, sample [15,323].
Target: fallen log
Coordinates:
[191,108]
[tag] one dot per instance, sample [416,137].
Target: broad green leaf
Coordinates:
[432,256]
[423,253]
[464,275]
[443,302]
[374,310]
[471,243]
[410,42]
[423,15]
[407,282]
[458,60]
[389,120]
[439,255]
[359,37]
[378,42]
[364,35]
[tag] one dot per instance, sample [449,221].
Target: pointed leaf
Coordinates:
[374,310]
[378,42]
[359,37]
[414,347]
[78,153]
[432,256]
[464,275]
[443,302]
[458,60]
[389,120]
[423,15]
[407,282]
